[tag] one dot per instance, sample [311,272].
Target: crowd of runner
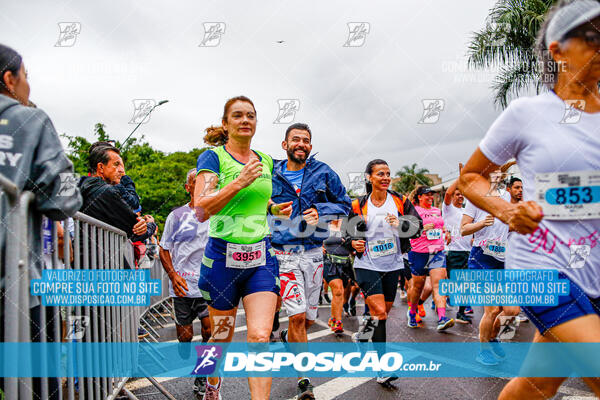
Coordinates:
[282,235]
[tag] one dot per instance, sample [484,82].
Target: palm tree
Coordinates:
[409,177]
[508,42]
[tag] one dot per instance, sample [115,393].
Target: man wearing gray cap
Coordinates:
[557,146]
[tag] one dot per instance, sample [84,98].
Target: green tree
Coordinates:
[508,42]
[159,177]
[410,176]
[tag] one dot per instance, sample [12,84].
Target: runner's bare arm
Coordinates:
[209,201]
[450,191]
[468,227]
[179,284]
[474,184]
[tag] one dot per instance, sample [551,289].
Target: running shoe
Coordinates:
[468,310]
[283,335]
[385,380]
[327,299]
[421,311]
[417,316]
[497,349]
[213,393]
[445,323]
[463,319]
[200,386]
[432,305]
[403,294]
[305,390]
[412,320]
[346,310]
[337,327]
[365,331]
[522,317]
[486,357]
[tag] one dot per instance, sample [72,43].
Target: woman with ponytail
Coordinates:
[379,245]
[233,191]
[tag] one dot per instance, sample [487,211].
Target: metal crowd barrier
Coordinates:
[92,244]
[161,306]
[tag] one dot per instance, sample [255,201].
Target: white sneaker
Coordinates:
[403,294]
[382,380]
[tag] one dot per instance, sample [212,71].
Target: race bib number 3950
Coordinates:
[245,255]
[569,195]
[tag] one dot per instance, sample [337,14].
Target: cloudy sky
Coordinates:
[362,101]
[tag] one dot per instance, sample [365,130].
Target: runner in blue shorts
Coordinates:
[557,224]
[233,189]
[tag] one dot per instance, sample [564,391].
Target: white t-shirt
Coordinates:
[498,231]
[377,230]
[185,238]
[531,131]
[452,217]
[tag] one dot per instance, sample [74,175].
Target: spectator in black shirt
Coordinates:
[101,200]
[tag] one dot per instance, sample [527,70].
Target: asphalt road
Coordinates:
[366,388]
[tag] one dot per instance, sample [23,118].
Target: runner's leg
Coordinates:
[260,308]
[217,317]
[337,290]
[585,329]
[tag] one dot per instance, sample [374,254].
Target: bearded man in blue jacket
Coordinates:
[318,197]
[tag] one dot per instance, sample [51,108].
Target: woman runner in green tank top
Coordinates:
[233,190]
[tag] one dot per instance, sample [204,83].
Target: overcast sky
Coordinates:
[362,102]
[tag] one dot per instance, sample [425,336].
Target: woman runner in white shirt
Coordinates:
[557,148]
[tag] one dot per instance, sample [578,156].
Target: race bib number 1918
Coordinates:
[569,195]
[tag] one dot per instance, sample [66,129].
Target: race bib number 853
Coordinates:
[569,195]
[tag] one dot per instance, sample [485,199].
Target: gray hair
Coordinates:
[548,68]
[190,173]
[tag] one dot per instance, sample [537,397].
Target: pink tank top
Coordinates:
[433,240]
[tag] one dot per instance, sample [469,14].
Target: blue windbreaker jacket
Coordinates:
[322,189]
